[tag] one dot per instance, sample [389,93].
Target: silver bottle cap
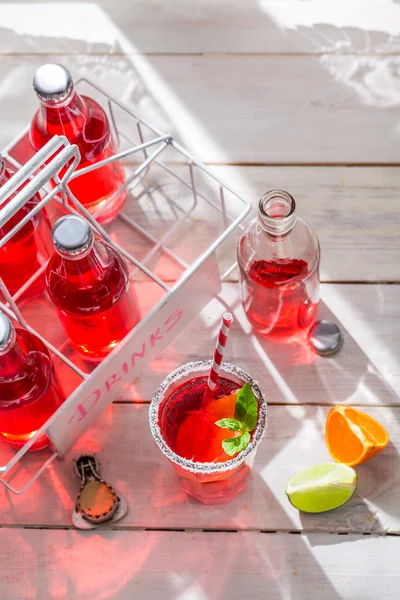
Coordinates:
[7,333]
[326,338]
[72,236]
[52,82]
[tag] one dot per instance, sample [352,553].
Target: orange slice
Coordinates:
[224,408]
[352,436]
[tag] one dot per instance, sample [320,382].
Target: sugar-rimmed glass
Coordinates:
[208,482]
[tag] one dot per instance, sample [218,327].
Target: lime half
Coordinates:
[323,487]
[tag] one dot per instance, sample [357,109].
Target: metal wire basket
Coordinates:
[176,218]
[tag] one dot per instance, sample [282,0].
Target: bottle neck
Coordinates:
[277,213]
[66,110]
[87,268]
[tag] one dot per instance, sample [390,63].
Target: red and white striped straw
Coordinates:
[218,356]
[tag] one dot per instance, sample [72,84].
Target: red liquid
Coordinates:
[94,300]
[29,391]
[190,431]
[20,257]
[84,123]
[280,297]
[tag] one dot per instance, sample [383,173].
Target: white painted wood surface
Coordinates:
[355,211]
[286,109]
[241,81]
[170,565]
[366,371]
[191,26]
[132,462]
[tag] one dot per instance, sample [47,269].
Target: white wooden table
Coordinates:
[281,93]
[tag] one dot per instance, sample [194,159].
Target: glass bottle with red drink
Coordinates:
[278,257]
[29,390]
[83,122]
[88,282]
[25,252]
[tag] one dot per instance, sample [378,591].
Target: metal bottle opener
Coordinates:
[98,502]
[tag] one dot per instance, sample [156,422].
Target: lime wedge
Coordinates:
[322,487]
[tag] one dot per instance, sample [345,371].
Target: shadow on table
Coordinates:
[377,484]
[301,376]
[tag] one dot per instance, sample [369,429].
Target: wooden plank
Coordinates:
[131,461]
[278,109]
[354,210]
[240,108]
[365,371]
[361,372]
[374,328]
[234,26]
[171,565]
[359,242]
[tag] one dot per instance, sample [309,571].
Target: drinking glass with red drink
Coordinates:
[185,429]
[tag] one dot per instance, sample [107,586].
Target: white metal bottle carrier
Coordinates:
[197,279]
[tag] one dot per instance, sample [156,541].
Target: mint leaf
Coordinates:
[231,424]
[246,408]
[234,445]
